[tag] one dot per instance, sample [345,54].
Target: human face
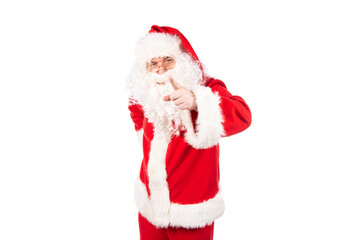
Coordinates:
[160,65]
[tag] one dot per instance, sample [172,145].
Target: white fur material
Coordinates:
[158,209]
[179,215]
[140,134]
[209,128]
[158,45]
[196,215]
[159,199]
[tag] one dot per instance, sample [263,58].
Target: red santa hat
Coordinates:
[164,41]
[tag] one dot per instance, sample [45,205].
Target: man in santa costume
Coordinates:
[180,113]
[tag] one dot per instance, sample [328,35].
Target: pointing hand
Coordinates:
[182,97]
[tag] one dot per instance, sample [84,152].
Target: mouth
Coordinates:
[162,79]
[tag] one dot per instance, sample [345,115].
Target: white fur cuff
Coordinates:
[209,128]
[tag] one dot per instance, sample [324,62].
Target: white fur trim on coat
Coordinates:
[140,134]
[157,45]
[179,215]
[158,209]
[159,199]
[209,128]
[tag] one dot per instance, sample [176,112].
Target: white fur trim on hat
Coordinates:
[158,45]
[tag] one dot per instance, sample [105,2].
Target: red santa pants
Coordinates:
[150,232]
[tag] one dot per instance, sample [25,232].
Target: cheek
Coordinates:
[171,66]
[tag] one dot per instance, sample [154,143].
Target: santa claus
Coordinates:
[180,113]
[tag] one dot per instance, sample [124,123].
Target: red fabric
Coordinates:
[150,232]
[236,113]
[187,46]
[200,166]
[136,114]
[174,31]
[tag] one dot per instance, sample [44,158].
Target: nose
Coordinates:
[161,69]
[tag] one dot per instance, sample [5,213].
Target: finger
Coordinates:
[179,101]
[182,106]
[175,95]
[166,98]
[174,84]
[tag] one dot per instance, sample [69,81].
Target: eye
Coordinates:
[168,60]
[153,64]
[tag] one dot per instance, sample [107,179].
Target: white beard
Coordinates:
[143,88]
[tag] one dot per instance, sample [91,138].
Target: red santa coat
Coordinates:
[179,179]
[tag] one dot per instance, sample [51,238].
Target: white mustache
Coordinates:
[161,78]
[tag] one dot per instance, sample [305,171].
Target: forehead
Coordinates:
[159,59]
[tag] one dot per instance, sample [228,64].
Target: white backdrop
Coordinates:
[68,150]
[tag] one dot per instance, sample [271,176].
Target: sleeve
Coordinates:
[137,116]
[220,114]
[235,112]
